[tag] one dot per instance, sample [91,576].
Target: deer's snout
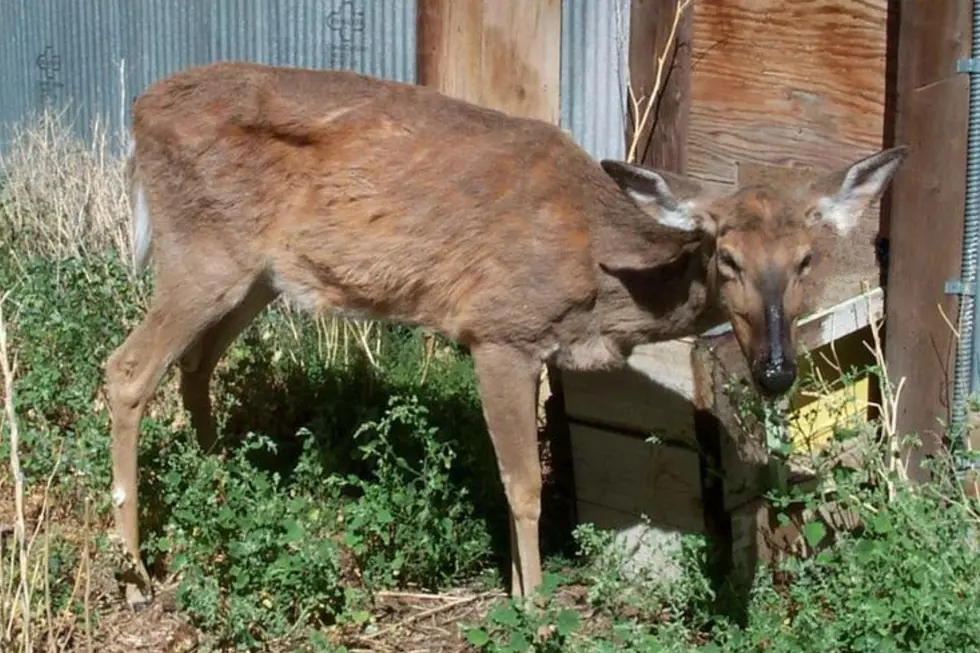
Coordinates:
[773,376]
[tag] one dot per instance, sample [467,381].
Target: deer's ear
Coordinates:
[842,197]
[670,199]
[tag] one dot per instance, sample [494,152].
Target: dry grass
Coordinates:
[63,197]
[28,621]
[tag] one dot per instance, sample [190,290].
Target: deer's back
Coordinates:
[375,196]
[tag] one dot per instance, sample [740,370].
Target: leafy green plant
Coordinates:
[515,625]
[255,558]
[66,318]
[411,522]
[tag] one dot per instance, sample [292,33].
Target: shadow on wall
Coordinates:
[700,473]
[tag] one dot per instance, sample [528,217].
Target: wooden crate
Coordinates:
[636,448]
[620,477]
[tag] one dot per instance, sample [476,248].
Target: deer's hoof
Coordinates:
[136,598]
[132,576]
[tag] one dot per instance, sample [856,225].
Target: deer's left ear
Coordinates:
[843,196]
[670,199]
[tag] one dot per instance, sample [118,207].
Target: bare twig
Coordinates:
[87,562]
[888,408]
[432,611]
[949,323]
[20,529]
[640,123]
[390,594]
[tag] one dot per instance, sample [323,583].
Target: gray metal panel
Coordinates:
[86,41]
[14,100]
[95,57]
[594,60]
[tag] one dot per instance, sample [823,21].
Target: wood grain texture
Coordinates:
[631,476]
[653,395]
[663,142]
[927,203]
[522,57]
[450,47]
[503,55]
[785,83]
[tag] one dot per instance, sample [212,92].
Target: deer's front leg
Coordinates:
[507,381]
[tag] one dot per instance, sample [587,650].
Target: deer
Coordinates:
[390,200]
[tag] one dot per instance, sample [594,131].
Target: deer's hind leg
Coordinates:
[183,307]
[198,363]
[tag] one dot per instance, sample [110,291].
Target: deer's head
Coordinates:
[761,246]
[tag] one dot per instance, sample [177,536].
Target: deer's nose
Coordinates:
[774,377]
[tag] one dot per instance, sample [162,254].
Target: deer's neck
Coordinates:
[676,300]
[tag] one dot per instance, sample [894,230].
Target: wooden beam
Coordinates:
[502,55]
[663,143]
[927,203]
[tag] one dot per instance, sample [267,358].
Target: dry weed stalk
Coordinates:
[20,529]
[65,197]
[888,407]
[642,107]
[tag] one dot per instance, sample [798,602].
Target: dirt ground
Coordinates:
[404,622]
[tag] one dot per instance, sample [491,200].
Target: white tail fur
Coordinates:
[142,233]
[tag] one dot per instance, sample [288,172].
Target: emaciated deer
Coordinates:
[390,200]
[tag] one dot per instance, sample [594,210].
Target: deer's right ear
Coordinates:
[670,199]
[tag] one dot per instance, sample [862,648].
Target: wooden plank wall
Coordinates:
[785,83]
[780,85]
[503,55]
[663,144]
[927,201]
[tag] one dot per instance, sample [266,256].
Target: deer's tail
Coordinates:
[142,231]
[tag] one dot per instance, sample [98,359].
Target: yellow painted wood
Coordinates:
[826,401]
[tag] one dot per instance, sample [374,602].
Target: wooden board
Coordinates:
[926,227]
[625,474]
[785,83]
[503,55]
[651,396]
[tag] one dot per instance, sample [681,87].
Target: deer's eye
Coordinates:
[728,263]
[804,265]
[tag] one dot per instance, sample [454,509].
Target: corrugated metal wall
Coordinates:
[94,57]
[594,60]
